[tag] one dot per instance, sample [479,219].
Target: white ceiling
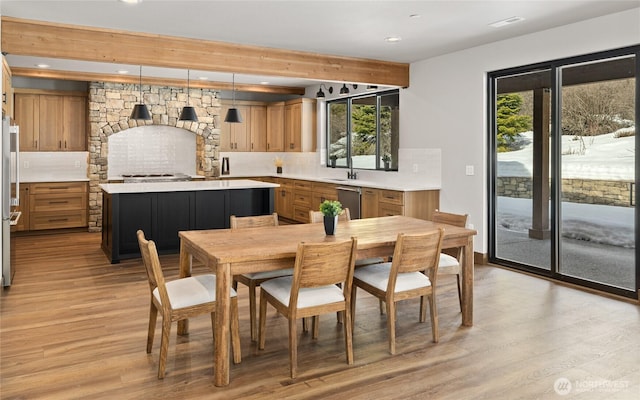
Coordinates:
[346,28]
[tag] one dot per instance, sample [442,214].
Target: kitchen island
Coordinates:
[163,209]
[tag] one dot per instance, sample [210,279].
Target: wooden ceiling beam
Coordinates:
[73,42]
[147,80]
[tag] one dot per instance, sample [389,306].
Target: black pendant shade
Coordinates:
[140,111]
[233,115]
[344,89]
[188,114]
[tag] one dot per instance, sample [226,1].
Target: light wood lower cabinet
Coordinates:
[56,205]
[296,197]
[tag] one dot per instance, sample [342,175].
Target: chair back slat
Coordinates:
[449,218]
[319,264]
[253,221]
[151,263]
[316,217]
[415,253]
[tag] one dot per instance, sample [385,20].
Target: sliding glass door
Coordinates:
[563,170]
[597,169]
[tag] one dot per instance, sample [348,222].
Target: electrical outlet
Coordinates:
[469,170]
[25,164]
[415,168]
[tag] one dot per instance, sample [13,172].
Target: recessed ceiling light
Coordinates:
[131,1]
[203,78]
[392,39]
[42,65]
[264,83]
[123,71]
[415,16]
[507,21]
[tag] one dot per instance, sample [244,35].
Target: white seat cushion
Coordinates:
[186,292]
[448,265]
[377,275]
[280,288]
[269,274]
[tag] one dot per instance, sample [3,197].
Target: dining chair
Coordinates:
[450,258]
[253,280]
[312,290]
[411,273]
[180,299]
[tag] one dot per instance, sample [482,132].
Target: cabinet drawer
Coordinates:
[58,187]
[302,198]
[58,219]
[387,209]
[304,185]
[57,202]
[301,214]
[392,196]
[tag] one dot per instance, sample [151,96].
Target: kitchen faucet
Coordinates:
[351,174]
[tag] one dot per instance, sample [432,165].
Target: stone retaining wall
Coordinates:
[110,105]
[590,191]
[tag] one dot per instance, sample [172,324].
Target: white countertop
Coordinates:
[154,187]
[399,186]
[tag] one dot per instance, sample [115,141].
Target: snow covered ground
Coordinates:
[598,157]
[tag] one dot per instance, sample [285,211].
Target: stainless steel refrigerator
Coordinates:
[10,198]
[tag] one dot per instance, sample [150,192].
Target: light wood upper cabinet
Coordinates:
[258,129]
[300,125]
[74,123]
[275,127]
[27,116]
[235,136]
[51,116]
[7,90]
[51,122]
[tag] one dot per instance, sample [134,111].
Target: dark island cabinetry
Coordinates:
[162,215]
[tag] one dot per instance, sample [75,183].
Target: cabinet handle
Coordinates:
[60,144]
[251,146]
[268,146]
[58,188]
[58,202]
[65,144]
[58,219]
[4,98]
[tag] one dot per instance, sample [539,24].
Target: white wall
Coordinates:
[445,105]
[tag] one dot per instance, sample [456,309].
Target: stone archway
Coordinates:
[110,105]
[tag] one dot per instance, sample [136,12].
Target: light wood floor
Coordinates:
[73,326]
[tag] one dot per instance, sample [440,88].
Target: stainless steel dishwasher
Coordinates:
[349,196]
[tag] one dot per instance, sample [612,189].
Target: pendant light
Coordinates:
[233,115]
[320,94]
[344,89]
[188,113]
[140,111]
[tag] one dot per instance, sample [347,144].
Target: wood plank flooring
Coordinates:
[73,326]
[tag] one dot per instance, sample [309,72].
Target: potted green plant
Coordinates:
[330,209]
[386,159]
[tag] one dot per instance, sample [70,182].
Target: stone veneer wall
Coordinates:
[110,105]
[589,191]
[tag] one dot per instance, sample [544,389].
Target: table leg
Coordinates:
[467,284]
[185,271]
[223,320]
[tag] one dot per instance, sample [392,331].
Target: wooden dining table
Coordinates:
[231,252]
